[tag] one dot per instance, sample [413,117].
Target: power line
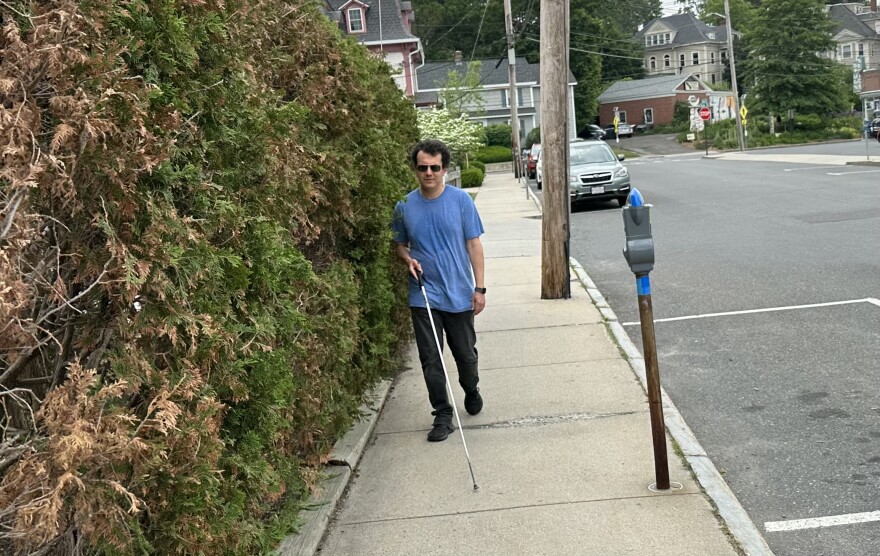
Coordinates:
[479,30]
[593,52]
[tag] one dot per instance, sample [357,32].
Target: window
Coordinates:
[861,49]
[695,58]
[667,61]
[711,57]
[505,99]
[653,63]
[649,115]
[622,116]
[847,51]
[667,36]
[355,20]
[681,60]
[713,78]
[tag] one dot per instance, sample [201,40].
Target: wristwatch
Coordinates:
[480,290]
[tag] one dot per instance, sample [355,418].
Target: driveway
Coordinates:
[657,145]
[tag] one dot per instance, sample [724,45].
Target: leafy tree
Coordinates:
[533,137]
[463,93]
[500,134]
[786,67]
[460,134]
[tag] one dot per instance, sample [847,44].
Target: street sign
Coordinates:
[743,112]
[705,114]
[699,126]
[693,100]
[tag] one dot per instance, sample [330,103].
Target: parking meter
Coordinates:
[639,248]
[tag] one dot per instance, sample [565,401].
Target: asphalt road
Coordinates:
[786,403]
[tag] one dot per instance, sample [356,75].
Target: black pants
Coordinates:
[459,328]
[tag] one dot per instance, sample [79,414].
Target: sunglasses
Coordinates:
[424,168]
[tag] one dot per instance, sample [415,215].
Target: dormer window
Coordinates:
[355,17]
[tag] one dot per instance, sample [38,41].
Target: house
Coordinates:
[681,44]
[856,28]
[652,100]
[385,28]
[432,78]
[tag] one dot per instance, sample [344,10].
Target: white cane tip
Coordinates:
[476,487]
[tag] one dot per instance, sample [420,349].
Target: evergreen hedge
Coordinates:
[197,284]
[489,155]
[471,177]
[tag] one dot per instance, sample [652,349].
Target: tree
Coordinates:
[460,134]
[463,92]
[786,68]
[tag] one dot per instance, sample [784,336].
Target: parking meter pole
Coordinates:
[652,373]
[639,254]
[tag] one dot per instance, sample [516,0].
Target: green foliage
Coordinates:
[473,163]
[461,135]
[499,134]
[533,137]
[207,172]
[786,64]
[472,177]
[489,155]
[463,93]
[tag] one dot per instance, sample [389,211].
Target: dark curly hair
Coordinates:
[432,147]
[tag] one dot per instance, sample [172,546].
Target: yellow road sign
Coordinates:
[743,112]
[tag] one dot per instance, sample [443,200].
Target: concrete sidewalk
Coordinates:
[562,449]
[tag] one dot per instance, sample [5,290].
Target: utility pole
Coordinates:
[512,92]
[739,127]
[555,277]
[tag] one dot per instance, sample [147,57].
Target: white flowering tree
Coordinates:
[461,135]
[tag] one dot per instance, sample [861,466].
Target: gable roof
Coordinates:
[687,28]
[433,76]
[391,28]
[652,87]
[845,20]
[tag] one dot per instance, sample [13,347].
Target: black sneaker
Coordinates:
[439,433]
[473,402]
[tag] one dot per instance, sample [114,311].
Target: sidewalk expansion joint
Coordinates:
[553,364]
[522,507]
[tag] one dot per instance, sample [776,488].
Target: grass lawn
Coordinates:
[626,153]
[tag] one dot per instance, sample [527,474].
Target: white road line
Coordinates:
[767,310]
[874,301]
[816,522]
[810,168]
[847,173]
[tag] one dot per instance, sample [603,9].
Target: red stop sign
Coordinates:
[704,113]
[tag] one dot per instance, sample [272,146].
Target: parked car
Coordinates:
[539,170]
[524,160]
[531,169]
[592,132]
[596,173]
[642,128]
[623,130]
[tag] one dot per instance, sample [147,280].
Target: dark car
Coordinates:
[592,132]
[531,167]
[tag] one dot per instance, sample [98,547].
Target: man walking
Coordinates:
[437,231]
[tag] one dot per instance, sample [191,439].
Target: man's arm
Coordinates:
[475,252]
[412,264]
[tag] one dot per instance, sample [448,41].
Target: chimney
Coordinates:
[458,55]
[874,6]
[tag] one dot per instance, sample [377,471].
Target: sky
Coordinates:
[669,7]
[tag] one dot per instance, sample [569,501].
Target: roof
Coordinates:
[845,20]
[434,75]
[652,87]
[688,30]
[391,29]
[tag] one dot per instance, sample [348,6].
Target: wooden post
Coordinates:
[512,92]
[554,145]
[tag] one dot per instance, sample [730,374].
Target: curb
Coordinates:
[344,457]
[729,508]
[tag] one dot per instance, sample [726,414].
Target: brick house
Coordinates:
[651,101]
[385,28]
[681,44]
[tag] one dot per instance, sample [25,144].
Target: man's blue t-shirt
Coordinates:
[436,231]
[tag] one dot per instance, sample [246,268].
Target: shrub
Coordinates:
[472,163]
[471,177]
[489,155]
[221,284]
[499,134]
[533,137]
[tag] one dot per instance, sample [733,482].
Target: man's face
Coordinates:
[430,171]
